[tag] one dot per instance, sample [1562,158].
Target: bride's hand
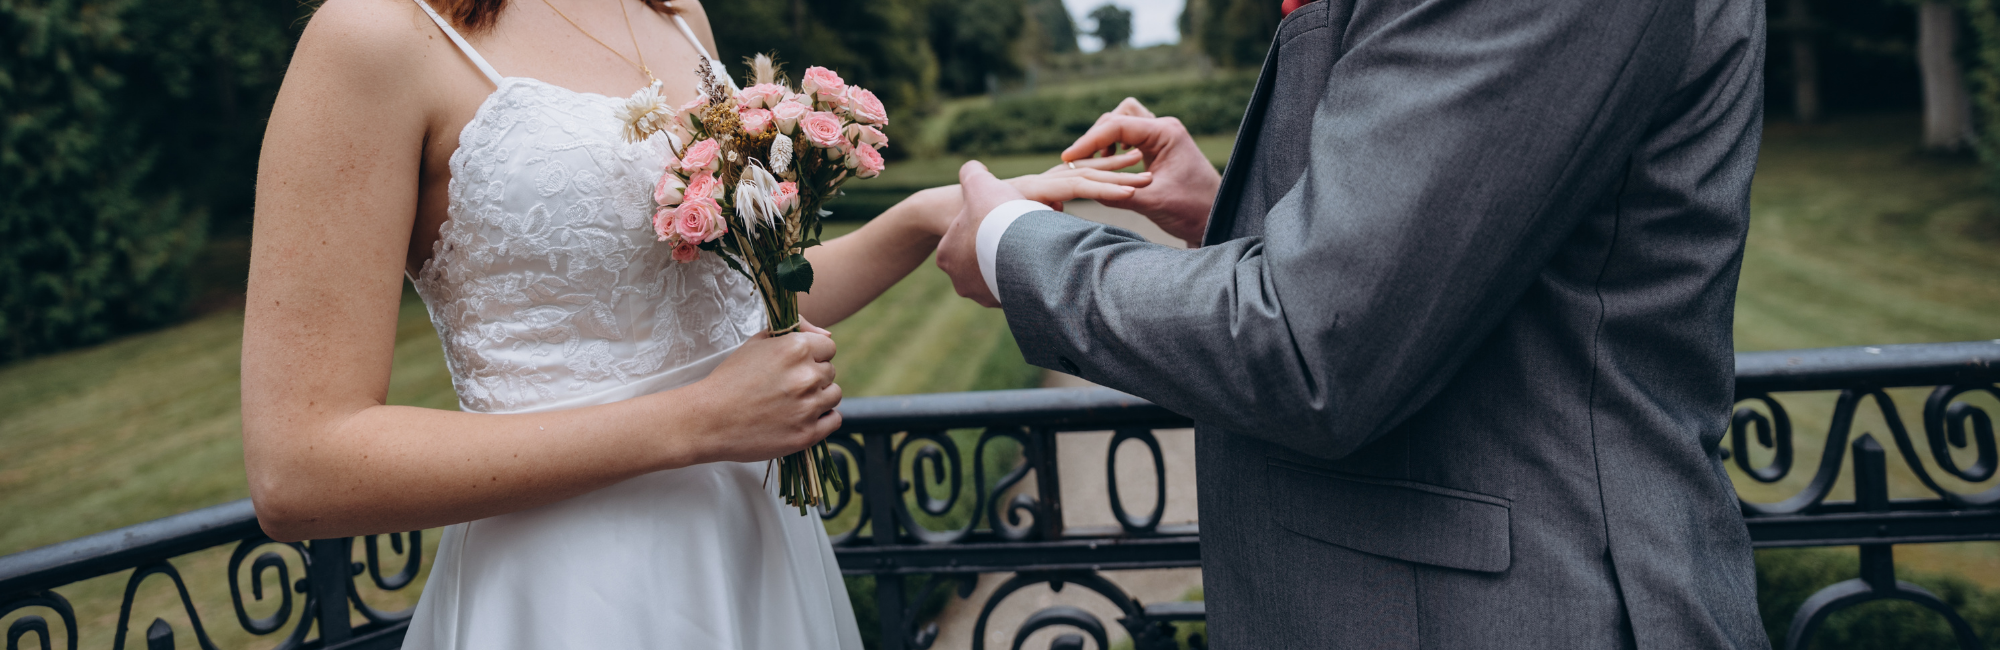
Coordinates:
[773,396]
[1096,179]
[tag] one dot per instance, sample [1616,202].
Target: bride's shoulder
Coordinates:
[382,40]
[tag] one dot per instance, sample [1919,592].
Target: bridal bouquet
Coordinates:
[748,173]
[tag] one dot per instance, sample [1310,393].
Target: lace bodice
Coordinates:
[547,285]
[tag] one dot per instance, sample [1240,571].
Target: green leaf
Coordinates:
[795,273]
[809,243]
[731,261]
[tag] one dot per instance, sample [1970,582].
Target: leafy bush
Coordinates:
[122,124]
[86,250]
[1050,121]
[1787,577]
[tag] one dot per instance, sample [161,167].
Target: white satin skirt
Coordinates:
[699,557]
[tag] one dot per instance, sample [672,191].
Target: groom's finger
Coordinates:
[1113,130]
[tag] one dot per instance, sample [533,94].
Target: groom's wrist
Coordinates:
[991,229]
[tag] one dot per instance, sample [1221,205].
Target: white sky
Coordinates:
[1153,21]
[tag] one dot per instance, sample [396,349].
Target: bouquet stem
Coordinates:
[804,477]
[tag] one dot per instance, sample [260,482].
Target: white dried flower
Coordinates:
[757,200]
[764,71]
[644,114]
[781,153]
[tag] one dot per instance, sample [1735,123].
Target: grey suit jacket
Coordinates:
[1458,342]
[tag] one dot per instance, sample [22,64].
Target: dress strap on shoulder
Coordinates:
[467,47]
[698,47]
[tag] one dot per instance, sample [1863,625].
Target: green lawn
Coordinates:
[1857,239]
[1854,240]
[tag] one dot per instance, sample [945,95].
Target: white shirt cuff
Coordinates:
[991,229]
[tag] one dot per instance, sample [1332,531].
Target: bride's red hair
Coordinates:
[477,15]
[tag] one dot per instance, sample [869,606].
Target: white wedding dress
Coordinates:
[550,292]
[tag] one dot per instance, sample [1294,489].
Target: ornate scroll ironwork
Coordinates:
[906,473]
[1878,567]
[150,555]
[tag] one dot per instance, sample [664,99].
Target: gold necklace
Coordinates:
[641,64]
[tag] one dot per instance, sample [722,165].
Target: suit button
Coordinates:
[1068,366]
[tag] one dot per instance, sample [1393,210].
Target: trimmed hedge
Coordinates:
[1050,121]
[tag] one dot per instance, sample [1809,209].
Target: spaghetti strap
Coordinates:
[467,47]
[720,72]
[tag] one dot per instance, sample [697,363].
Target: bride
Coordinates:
[602,485]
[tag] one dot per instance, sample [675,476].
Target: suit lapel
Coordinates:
[1222,215]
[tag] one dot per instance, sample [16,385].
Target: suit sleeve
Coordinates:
[1455,147]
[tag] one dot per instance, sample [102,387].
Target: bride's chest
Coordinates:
[542,172]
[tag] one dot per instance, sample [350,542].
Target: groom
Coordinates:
[1457,334]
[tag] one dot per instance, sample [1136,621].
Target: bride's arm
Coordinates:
[336,194]
[852,270]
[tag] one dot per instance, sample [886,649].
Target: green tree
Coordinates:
[1234,33]
[95,237]
[975,43]
[1057,31]
[1114,26]
[879,44]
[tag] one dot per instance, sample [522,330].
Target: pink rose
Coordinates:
[669,190]
[700,157]
[866,161]
[822,128]
[663,223]
[787,114]
[787,196]
[761,95]
[823,85]
[704,186]
[864,134]
[756,120]
[699,220]
[688,117]
[864,107]
[685,252]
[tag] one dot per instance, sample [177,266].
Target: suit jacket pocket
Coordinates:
[1405,520]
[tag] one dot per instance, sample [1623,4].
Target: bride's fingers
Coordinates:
[828,423]
[1077,187]
[826,400]
[819,346]
[827,373]
[1140,179]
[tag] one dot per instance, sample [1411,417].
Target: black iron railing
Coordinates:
[968,483]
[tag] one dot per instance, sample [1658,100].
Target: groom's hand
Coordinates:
[1184,183]
[958,252]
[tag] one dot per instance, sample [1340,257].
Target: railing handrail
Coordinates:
[1876,366]
[125,548]
[1884,366]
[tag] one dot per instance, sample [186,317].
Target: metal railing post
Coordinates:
[882,488]
[1048,482]
[331,567]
